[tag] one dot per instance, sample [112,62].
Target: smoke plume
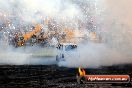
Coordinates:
[114,26]
[110,19]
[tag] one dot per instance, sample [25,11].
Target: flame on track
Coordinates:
[81,71]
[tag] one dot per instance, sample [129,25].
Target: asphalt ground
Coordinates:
[52,76]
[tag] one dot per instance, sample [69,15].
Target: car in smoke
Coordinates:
[65,50]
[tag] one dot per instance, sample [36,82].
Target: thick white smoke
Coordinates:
[114,27]
[111,19]
[30,10]
[21,13]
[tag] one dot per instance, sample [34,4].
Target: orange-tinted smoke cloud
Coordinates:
[69,33]
[120,9]
[28,35]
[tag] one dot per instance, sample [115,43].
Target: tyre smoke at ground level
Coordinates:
[104,31]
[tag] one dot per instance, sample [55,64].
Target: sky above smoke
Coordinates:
[113,21]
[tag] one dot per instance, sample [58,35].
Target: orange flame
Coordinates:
[28,35]
[81,71]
